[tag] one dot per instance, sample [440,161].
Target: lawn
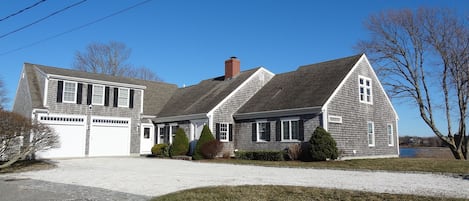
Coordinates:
[281,193]
[431,165]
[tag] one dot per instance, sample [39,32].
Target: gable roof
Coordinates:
[203,97]
[155,97]
[309,86]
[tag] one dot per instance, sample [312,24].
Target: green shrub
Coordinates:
[211,149]
[260,155]
[180,144]
[323,146]
[160,150]
[205,137]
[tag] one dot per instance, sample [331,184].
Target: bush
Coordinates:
[160,150]
[211,149]
[205,137]
[260,155]
[180,144]
[294,151]
[323,145]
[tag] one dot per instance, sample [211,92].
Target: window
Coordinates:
[365,90]
[224,133]
[70,92]
[123,98]
[390,135]
[98,95]
[371,134]
[290,130]
[262,131]
[146,133]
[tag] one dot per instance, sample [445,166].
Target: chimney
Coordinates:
[232,67]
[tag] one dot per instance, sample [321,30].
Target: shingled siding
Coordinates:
[99,110]
[224,113]
[351,134]
[243,140]
[23,104]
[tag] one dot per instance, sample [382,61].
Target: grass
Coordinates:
[389,164]
[272,193]
[27,165]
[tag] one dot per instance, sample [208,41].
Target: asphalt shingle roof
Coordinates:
[308,86]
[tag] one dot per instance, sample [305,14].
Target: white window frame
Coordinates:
[372,133]
[389,127]
[226,132]
[74,92]
[257,130]
[290,134]
[335,119]
[94,94]
[365,89]
[119,97]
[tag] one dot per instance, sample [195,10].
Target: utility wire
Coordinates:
[77,28]
[22,10]
[44,18]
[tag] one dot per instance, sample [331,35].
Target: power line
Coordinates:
[22,10]
[76,28]
[44,18]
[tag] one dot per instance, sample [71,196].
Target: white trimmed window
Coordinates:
[365,92]
[390,132]
[224,132]
[290,129]
[123,98]
[371,134]
[98,95]
[262,131]
[70,92]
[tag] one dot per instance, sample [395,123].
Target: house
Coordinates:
[343,96]
[94,114]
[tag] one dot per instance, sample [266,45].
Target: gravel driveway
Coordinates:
[154,177]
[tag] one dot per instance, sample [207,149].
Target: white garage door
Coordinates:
[72,132]
[109,136]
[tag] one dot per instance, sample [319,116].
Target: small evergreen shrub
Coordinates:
[180,144]
[305,154]
[205,137]
[323,146]
[160,150]
[260,155]
[211,149]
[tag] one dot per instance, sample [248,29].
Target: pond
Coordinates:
[408,152]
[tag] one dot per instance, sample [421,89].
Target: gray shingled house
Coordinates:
[344,96]
[94,114]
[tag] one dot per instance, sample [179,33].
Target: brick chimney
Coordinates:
[232,67]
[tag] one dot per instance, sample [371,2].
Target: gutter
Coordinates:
[180,118]
[277,113]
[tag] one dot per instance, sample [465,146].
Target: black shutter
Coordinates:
[278,130]
[301,130]
[131,99]
[116,95]
[60,89]
[89,94]
[267,131]
[79,93]
[106,96]
[230,132]
[254,132]
[217,131]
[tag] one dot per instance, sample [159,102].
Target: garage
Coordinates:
[109,136]
[72,133]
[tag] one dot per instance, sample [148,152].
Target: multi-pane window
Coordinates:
[290,130]
[98,95]
[224,133]
[365,90]
[123,98]
[70,92]
[371,134]
[262,131]
[390,132]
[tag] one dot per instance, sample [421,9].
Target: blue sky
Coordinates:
[187,41]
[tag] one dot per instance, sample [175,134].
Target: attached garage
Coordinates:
[72,132]
[109,136]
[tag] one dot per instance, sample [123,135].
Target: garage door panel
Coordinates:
[109,136]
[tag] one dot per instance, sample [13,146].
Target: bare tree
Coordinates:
[110,59]
[3,95]
[422,56]
[19,137]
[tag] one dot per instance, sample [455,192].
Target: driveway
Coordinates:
[153,177]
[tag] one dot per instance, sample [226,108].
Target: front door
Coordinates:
[147,138]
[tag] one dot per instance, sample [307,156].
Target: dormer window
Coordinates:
[365,92]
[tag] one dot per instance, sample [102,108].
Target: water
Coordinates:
[408,152]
